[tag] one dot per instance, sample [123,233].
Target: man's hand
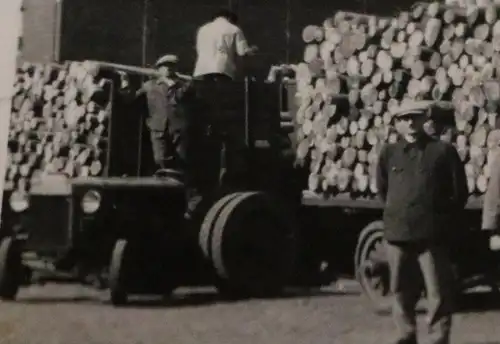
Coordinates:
[252,50]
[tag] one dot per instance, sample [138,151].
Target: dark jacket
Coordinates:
[424,189]
[164,104]
[491,205]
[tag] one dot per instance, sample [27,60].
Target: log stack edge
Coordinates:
[357,68]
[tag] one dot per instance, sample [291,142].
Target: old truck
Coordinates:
[103,202]
[128,229]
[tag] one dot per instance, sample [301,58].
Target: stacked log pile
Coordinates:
[59,123]
[358,68]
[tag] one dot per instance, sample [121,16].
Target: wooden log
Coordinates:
[427,61]
[384,61]
[388,37]
[432,31]
[448,32]
[482,32]
[418,10]
[457,48]
[398,49]
[491,14]
[401,36]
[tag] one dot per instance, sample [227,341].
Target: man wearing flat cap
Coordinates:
[422,182]
[166,119]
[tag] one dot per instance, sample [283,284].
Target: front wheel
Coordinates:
[118,275]
[10,269]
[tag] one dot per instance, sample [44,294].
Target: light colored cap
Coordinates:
[166,59]
[421,107]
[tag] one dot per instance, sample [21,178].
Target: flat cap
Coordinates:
[413,107]
[442,110]
[166,59]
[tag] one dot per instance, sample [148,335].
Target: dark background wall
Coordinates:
[138,31]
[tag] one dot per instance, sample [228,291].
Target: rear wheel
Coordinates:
[253,246]
[372,267]
[205,235]
[10,269]
[118,274]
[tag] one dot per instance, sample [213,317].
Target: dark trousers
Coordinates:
[214,77]
[216,164]
[405,261]
[216,161]
[169,148]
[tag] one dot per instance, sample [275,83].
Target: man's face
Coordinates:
[167,70]
[432,128]
[411,124]
[439,129]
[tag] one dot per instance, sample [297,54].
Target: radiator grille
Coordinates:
[48,222]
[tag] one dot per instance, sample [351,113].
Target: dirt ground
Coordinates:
[69,314]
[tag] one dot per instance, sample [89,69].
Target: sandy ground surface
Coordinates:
[69,314]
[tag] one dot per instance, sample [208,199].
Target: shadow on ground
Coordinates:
[181,298]
[471,302]
[478,302]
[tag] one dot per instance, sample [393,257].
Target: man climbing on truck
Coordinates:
[221,49]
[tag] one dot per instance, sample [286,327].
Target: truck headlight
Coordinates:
[19,201]
[91,202]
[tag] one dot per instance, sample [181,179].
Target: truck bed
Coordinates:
[313,199]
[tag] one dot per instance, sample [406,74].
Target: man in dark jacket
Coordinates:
[491,202]
[423,185]
[166,120]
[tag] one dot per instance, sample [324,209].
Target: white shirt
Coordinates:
[218,44]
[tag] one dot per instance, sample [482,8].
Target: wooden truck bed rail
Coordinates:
[312,199]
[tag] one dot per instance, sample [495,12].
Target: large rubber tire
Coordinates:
[205,235]
[10,269]
[369,239]
[118,273]
[254,245]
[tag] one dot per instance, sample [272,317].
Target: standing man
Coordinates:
[166,120]
[221,47]
[423,185]
[491,204]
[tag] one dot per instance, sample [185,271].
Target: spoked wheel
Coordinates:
[10,269]
[372,268]
[118,273]
[253,246]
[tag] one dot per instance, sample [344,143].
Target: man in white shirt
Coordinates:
[221,45]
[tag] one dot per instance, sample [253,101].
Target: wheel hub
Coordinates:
[376,276]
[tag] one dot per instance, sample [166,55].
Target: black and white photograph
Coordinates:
[250,172]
